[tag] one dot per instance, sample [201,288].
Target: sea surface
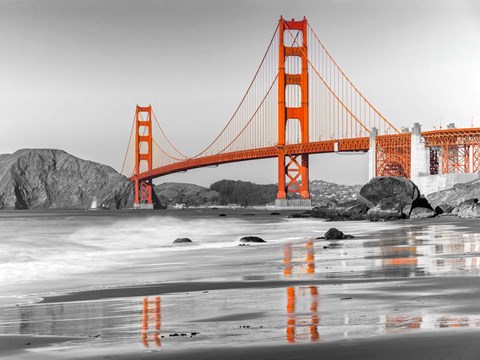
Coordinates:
[327,283]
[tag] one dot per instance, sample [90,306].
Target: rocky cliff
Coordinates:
[44,178]
[455,195]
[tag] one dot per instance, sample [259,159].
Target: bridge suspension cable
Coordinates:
[353,89]
[337,109]
[253,123]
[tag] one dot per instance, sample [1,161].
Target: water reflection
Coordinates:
[298,320]
[304,264]
[151,321]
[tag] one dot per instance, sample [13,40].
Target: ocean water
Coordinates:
[49,252]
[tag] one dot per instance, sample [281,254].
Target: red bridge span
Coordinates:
[300,102]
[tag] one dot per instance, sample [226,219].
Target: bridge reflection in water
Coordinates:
[293,312]
[151,321]
[297,320]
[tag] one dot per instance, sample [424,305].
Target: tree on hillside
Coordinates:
[244,193]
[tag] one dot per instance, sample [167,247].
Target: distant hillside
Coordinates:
[244,193]
[325,192]
[189,194]
[45,178]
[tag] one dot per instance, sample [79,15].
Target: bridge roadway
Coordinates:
[319,147]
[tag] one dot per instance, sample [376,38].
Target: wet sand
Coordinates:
[409,292]
[13,345]
[460,345]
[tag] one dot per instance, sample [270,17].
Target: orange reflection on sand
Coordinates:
[288,264]
[310,257]
[394,323]
[292,321]
[287,260]
[151,321]
[403,322]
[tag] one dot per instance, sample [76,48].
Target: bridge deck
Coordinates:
[319,147]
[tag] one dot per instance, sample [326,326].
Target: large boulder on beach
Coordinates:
[444,209]
[390,197]
[378,214]
[468,209]
[352,210]
[390,191]
[252,239]
[421,213]
[335,234]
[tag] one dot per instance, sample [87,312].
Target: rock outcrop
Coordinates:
[182,241]
[468,209]
[456,195]
[44,178]
[421,213]
[352,210]
[390,197]
[252,239]
[335,234]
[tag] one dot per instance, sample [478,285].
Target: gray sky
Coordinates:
[72,71]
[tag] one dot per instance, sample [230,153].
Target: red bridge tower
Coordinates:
[143,156]
[292,168]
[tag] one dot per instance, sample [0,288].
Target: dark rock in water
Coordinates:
[275,213]
[353,210]
[335,234]
[305,214]
[468,209]
[391,197]
[252,239]
[222,215]
[45,178]
[421,213]
[182,241]
[444,209]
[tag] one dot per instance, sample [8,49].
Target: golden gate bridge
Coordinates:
[299,102]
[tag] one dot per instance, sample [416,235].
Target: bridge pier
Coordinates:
[294,203]
[372,154]
[419,154]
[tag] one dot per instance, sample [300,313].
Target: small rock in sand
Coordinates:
[182,241]
[335,234]
[252,239]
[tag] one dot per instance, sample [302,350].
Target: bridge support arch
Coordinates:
[143,157]
[293,173]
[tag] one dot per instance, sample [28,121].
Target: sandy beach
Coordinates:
[401,289]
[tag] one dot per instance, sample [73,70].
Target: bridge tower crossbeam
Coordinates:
[292,172]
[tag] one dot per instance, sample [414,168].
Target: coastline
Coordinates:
[412,283]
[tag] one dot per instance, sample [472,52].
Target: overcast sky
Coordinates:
[72,71]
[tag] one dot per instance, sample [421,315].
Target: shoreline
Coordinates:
[410,288]
[458,345]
